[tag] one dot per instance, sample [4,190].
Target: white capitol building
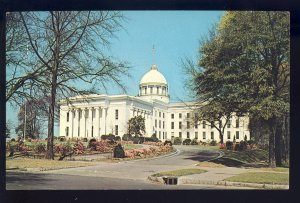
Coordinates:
[95,115]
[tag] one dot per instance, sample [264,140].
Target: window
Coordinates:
[188,135]
[68,115]
[212,124]
[157,90]
[172,125]
[196,124]
[196,135]
[180,125]
[188,115]
[159,135]
[159,124]
[196,116]
[172,133]
[172,115]
[180,134]
[117,114]
[188,125]
[67,131]
[204,135]
[212,136]
[228,135]
[237,135]
[163,115]
[92,131]
[151,90]
[180,115]
[116,129]
[237,122]
[228,124]
[166,135]
[163,124]
[155,123]
[155,112]
[159,114]
[80,114]
[220,124]
[78,131]
[203,124]
[163,135]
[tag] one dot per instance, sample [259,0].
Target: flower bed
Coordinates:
[151,151]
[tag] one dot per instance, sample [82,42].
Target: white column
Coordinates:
[96,122]
[84,122]
[76,123]
[89,123]
[71,123]
[104,119]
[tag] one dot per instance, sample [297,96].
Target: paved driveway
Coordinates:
[123,175]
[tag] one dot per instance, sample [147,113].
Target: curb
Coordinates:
[183,180]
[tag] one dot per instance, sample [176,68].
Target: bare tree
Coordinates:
[68,51]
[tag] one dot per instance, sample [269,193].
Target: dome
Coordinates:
[153,77]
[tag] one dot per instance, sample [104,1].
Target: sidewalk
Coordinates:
[216,176]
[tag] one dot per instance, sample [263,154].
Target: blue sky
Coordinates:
[174,34]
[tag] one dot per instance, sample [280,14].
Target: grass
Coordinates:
[278,169]
[210,164]
[43,164]
[132,146]
[238,158]
[261,177]
[181,172]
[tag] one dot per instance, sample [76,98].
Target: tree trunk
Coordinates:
[50,154]
[272,130]
[279,147]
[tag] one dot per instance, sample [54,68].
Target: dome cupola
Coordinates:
[153,85]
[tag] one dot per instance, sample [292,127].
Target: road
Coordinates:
[113,176]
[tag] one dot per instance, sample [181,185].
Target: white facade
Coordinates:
[95,115]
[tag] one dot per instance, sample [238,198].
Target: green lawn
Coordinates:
[261,177]
[43,164]
[181,172]
[238,158]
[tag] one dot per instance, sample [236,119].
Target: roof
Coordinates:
[153,76]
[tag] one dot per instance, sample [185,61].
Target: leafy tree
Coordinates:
[244,67]
[34,119]
[136,126]
[8,129]
[65,51]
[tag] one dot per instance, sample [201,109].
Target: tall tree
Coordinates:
[67,49]
[247,57]
[136,126]
[31,114]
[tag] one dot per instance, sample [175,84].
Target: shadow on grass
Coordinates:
[202,155]
[228,162]
[15,177]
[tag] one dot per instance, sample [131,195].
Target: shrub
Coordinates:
[229,145]
[92,144]
[151,139]
[62,139]
[194,142]
[222,146]
[251,142]
[119,151]
[78,148]
[138,140]
[127,137]
[118,138]
[168,142]
[177,141]
[186,141]
[213,143]
[84,139]
[40,148]
[12,140]
[242,146]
